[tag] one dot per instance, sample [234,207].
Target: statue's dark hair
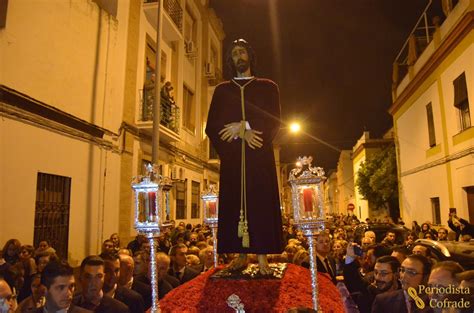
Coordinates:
[252,57]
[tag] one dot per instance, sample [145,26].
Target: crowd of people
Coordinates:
[372,275]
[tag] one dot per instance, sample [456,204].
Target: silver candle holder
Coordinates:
[149,218]
[210,200]
[308,210]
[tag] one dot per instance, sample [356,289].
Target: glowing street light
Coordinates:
[295,127]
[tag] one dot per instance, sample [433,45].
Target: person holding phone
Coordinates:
[460,226]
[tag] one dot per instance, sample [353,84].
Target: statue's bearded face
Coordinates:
[240,57]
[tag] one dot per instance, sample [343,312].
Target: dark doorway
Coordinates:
[470,202]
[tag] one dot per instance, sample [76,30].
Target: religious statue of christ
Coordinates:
[244,117]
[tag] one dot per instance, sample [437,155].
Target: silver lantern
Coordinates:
[308,209]
[166,184]
[210,201]
[149,217]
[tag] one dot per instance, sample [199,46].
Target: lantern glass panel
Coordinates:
[147,206]
[211,208]
[165,206]
[309,201]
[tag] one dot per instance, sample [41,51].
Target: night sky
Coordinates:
[332,60]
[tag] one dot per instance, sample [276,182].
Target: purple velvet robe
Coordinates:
[262,110]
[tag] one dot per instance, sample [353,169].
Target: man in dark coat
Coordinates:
[92,277]
[58,278]
[244,117]
[179,268]
[126,279]
[111,288]
[324,262]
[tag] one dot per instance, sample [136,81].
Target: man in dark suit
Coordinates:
[163,262]
[414,272]
[178,264]
[111,288]
[126,279]
[325,263]
[166,282]
[92,297]
[58,278]
[206,256]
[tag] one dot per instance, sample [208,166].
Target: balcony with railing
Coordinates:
[172,17]
[169,114]
[435,23]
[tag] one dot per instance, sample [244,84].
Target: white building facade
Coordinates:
[73,132]
[345,181]
[363,149]
[433,120]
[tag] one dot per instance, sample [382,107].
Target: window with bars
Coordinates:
[195,208]
[461,101]
[189,110]
[181,199]
[53,194]
[431,126]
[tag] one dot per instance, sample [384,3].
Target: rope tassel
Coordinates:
[240,231]
[246,240]
[246,236]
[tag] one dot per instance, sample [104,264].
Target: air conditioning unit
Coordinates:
[190,47]
[210,70]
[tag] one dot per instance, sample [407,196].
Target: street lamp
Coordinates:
[295,127]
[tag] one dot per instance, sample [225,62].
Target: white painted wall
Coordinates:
[70,55]
[412,126]
[416,193]
[462,176]
[65,54]
[345,180]
[27,150]
[361,205]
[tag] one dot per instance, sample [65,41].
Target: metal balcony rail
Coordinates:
[419,38]
[174,10]
[170,113]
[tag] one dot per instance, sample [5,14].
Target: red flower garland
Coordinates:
[264,295]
